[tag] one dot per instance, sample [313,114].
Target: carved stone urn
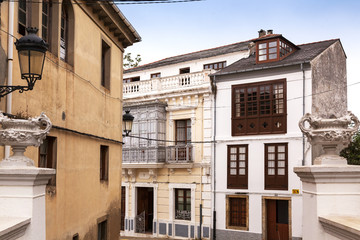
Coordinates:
[331,134]
[21,133]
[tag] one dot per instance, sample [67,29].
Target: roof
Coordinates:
[304,54]
[235,47]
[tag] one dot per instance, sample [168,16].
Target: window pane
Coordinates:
[271,156]
[262,58]
[271,171]
[262,45]
[242,149]
[242,164]
[272,44]
[272,50]
[281,148]
[242,171]
[242,157]
[232,171]
[233,150]
[273,56]
[281,164]
[233,157]
[262,52]
[271,149]
[233,164]
[281,156]
[271,164]
[281,171]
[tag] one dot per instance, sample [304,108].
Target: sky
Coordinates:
[170,29]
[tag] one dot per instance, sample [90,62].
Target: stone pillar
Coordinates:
[331,188]
[22,202]
[22,185]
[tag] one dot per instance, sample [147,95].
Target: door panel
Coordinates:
[277,219]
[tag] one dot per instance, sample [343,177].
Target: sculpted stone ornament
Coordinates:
[330,134]
[21,133]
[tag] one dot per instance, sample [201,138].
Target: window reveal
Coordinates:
[48,156]
[215,66]
[155,75]
[63,33]
[46,21]
[104,162]
[23,13]
[259,108]
[183,204]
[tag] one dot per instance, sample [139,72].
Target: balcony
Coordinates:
[155,157]
[179,154]
[163,85]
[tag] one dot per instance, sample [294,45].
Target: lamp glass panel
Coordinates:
[36,62]
[24,62]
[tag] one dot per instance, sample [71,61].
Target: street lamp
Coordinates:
[31,50]
[127,122]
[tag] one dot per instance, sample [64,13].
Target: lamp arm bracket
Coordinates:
[5,90]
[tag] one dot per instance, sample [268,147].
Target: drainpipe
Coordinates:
[303,97]
[214,163]
[10,63]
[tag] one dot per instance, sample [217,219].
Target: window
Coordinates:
[259,108]
[105,65]
[276,166]
[46,21]
[183,204]
[184,70]
[104,162]
[215,66]
[237,212]
[155,75]
[273,50]
[63,33]
[76,236]
[24,16]
[67,32]
[183,132]
[48,156]
[237,175]
[102,230]
[131,79]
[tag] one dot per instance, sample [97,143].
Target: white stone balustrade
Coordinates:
[166,84]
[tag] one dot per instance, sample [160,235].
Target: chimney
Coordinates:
[262,32]
[270,31]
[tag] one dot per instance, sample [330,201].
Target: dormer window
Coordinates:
[271,49]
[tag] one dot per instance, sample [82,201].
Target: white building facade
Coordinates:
[167,158]
[258,104]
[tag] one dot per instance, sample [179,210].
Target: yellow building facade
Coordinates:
[81,92]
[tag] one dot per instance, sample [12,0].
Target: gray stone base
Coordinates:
[236,235]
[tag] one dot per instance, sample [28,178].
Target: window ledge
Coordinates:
[237,228]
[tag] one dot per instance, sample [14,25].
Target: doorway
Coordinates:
[145,210]
[277,219]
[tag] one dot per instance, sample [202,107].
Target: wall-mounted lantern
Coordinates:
[127,122]
[31,50]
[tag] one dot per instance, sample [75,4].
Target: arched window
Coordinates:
[67,33]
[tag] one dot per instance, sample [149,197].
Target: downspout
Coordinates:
[214,163]
[303,97]
[10,64]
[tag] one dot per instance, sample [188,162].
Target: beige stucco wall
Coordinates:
[80,199]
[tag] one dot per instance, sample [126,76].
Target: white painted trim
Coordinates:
[172,186]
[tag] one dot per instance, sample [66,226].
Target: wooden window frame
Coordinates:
[50,156]
[276,181]
[230,211]
[104,163]
[46,24]
[247,116]
[278,50]
[187,195]
[155,75]
[105,64]
[27,11]
[237,181]
[217,64]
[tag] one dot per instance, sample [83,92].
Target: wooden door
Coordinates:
[145,204]
[277,219]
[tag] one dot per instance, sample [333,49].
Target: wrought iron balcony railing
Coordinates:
[179,154]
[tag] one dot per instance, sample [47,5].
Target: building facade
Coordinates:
[167,157]
[81,93]
[259,102]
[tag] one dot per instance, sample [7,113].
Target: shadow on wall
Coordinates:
[3,66]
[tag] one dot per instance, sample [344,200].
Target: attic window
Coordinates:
[273,49]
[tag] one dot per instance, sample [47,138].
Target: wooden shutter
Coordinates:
[276,166]
[237,170]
